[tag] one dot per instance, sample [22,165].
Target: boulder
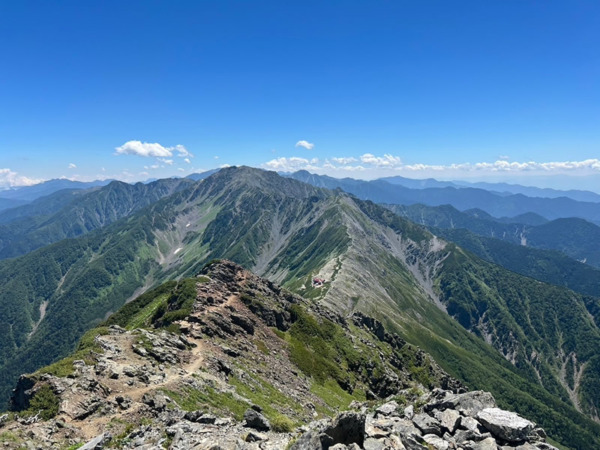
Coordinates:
[348,429]
[506,425]
[378,428]
[387,409]
[449,419]
[200,417]
[427,424]
[468,404]
[256,420]
[469,423]
[254,436]
[436,442]
[97,443]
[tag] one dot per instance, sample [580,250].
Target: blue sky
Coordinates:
[467,89]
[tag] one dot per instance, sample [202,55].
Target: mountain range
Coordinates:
[532,344]
[495,204]
[499,188]
[576,238]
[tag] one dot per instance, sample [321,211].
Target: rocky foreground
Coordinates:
[469,421]
[438,420]
[249,366]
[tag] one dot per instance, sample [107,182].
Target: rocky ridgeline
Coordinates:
[132,391]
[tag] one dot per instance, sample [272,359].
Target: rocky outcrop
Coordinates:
[452,421]
[507,425]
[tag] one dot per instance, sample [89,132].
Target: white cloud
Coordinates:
[144,149]
[288,164]
[307,145]
[187,160]
[166,161]
[347,160]
[147,149]
[181,169]
[10,178]
[182,152]
[381,161]
[371,166]
[72,166]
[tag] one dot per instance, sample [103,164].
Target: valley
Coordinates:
[532,344]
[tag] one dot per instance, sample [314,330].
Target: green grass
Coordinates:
[208,399]
[142,318]
[335,397]
[8,436]
[262,347]
[86,347]
[266,396]
[282,424]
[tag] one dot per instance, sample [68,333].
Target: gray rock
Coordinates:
[97,443]
[525,446]
[486,444]
[200,417]
[387,409]
[436,442]
[379,428]
[462,436]
[389,443]
[545,446]
[469,423]
[413,442]
[256,420]
[373,444]
[157,402]
[406,428]
[427,424]
[409,412]
[449,419]
[468,404]
[506,425]
[88,407]
[348,429]
[254,436]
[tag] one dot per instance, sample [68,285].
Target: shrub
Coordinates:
[282,424]
[45,402]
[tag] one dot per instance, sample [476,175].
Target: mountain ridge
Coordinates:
[373,262]
[145,383]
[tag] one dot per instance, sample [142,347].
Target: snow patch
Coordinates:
[177,250]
